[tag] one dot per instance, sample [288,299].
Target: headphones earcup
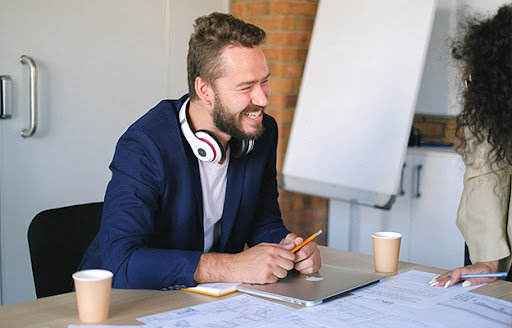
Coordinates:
[211,147]
[204,144]
[240,148]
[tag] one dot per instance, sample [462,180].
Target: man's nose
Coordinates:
[260,96]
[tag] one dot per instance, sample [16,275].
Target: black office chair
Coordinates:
[467,261]
[57,240]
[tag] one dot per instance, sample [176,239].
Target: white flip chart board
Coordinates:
[357,99]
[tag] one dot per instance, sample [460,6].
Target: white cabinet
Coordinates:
[424,212]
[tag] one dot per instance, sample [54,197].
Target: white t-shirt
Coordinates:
[213,184]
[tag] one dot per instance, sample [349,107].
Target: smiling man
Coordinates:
[194,179]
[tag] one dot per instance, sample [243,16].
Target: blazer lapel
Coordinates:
[235,183]
[196,185]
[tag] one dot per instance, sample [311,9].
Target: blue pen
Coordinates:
[483,275]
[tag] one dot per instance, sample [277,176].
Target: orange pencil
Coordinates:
[313,236]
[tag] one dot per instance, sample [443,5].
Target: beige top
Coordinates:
[483,217]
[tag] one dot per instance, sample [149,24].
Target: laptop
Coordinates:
[329,283]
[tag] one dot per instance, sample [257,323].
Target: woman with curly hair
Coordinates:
[484,216]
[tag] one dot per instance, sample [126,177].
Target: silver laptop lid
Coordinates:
[329,283]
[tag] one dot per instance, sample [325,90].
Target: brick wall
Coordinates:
[436,129]
[288,25]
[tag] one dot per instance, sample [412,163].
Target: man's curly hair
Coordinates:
[485,54]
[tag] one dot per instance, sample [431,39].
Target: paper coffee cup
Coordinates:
[93,294]
[386,250]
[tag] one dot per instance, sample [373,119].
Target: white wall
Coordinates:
[182,16]
[440,82]
[436,92]
[489,6]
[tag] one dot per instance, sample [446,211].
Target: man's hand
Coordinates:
[263,263]
[479,267]
[307,259]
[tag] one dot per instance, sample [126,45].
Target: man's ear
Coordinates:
[204,91]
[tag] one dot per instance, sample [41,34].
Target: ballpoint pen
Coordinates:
[313,236]
[483,275]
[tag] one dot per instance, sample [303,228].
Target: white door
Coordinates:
[100,65]
[435,239]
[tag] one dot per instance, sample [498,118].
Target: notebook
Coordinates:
[214,289]
[329,283]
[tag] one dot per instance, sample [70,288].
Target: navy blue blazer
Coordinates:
[151,234]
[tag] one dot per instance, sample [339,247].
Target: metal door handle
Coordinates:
[418,174]
[402,191]
[5,97]
[33,96]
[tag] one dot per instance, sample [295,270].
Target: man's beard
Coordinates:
[232,124]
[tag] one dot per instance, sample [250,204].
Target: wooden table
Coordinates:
[128,304]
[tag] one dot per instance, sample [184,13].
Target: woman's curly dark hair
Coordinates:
[485,53]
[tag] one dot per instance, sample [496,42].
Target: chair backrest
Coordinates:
[467,260]
[57,240]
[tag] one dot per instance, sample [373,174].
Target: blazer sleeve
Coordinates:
[268,225]
[132,242]
[483,214]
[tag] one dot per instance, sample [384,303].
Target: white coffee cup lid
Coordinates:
[93,274]
[387,235]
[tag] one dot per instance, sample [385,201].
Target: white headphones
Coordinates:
[206,146]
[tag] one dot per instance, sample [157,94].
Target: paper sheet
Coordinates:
[407,300]
[238,311]
[361,312]
[475,310]
[463,310]
[412,288]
